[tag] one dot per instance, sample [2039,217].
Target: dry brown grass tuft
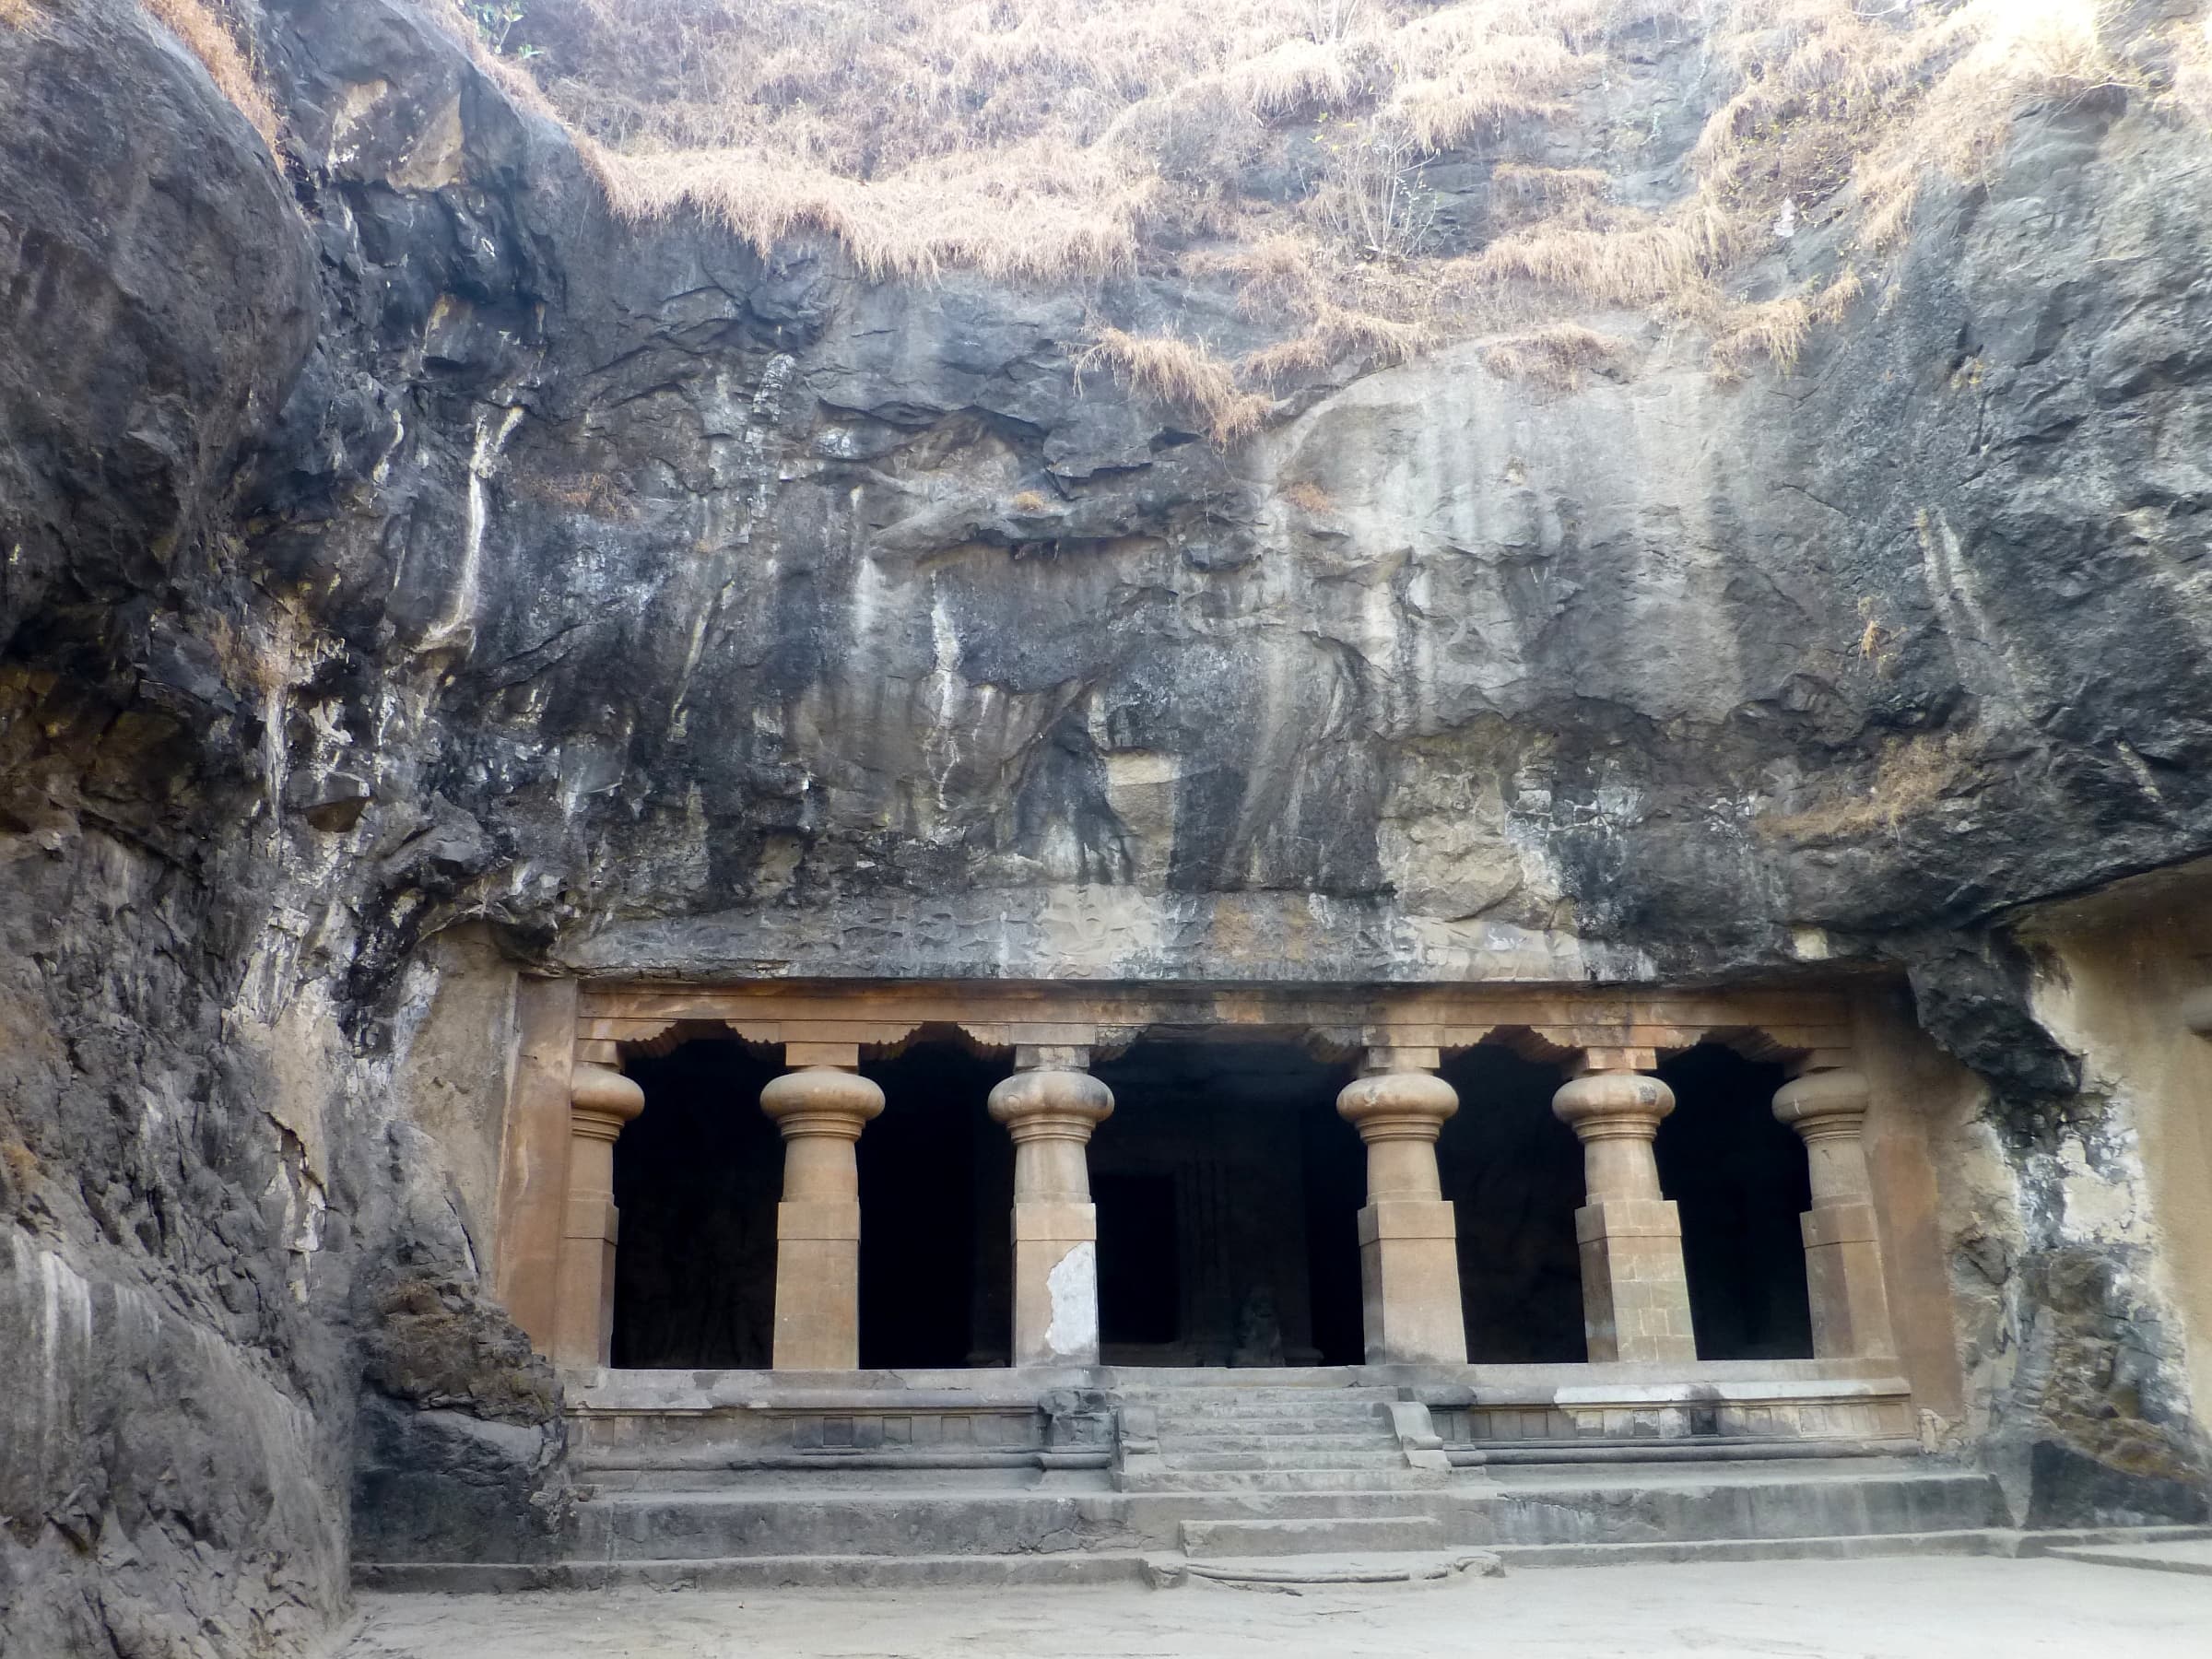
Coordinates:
[1910,776]
[1618,256]
[1550,185]
[1776,330]
[203,27]
[1560,356]
[1307,496]
[1065,140]
[1183,374]
[18,14]
[1040,211]
[24,1172]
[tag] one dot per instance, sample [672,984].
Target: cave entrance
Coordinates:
[1513,1174]
[937,1187]
[697,1178]
[1228,1193]
[1740,1180]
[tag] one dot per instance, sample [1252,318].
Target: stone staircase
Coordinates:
[1272,1438]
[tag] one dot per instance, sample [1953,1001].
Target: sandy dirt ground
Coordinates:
[1929,1608]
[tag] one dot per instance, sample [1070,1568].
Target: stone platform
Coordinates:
[1104,1474]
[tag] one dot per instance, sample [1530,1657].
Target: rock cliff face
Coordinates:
[396,541]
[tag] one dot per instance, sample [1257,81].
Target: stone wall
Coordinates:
[2115,1305]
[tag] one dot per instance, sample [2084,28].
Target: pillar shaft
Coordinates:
[1408,1241]
[1635,1290]
[820,1109]
[1051,1110]
[1842,1251]
[600,1101]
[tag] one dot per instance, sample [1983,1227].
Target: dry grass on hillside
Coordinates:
[1559,355]
[1284,147]
[204,27]
[1180,373]
[1911,776]
[18,14]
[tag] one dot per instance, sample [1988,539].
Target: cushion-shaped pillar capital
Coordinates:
[1051,1103]
[601,1100]
[1613,1105]
[1823,1103]
[1401,1105]
[821,1100]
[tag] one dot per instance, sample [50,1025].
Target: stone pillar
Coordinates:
[1842,1254]
[1408,1245]
[1049,1106]
[821,1108]
[600,1101]
[1635,1291]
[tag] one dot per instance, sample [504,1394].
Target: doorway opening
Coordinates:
[937,1202]
[1228,1191]
[1740,1180]
[697,1178]
[1513,1174]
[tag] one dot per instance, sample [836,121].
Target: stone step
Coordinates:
[1365,1440]
[1290,1573]
[1269,1481]
[1563,1508]
[1161,1569]
[1274,1420]
[1337,1535]
[839,1572]
[1372,1423]
[1288,1457]
[1289,1399]
[1295,1401]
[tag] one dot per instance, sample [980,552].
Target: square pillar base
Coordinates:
[1409,1283]
[1635,1291]
[1843,1277]
[1055,1283]
[583,1309]
[818,1285]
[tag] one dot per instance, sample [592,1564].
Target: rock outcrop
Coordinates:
[397,540]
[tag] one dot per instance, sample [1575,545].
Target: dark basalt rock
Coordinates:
[394,537]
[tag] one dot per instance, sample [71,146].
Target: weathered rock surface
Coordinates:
[394,539]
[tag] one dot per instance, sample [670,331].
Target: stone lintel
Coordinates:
[1002,1015]
[844,1057]
[1051,1056]
[1622,1059]
[1381,1060]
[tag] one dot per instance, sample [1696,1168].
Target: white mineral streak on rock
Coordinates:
[458,627]
[946,725]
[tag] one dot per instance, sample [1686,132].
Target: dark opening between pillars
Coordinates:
[1227,1190]
[1513,1174]
[936,1203]
[1740,1180]
[697,1177]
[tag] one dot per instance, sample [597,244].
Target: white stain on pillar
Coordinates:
[1073,1286]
